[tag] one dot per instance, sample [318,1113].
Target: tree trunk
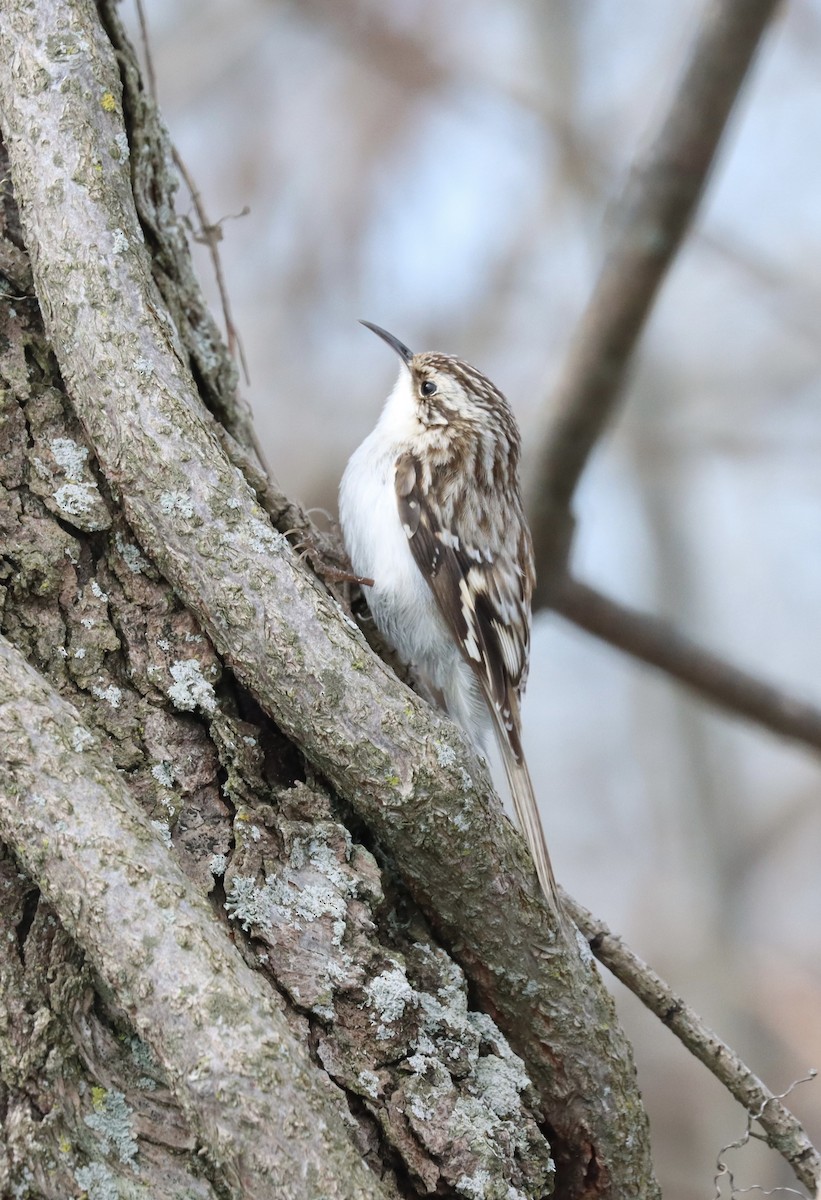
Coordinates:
[267,931]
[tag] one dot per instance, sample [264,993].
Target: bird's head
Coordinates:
[443,389]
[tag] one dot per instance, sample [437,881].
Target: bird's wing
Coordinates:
[483,597]
[485,601]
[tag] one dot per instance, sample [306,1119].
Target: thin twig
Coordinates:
[722,1169]
[149,61]
[783,1131]
[209,234]
[658,204]
[653,641]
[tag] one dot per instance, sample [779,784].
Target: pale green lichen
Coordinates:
[177,502]
[281,899]
[500,1083]
[369,1083]
[218,864]
[389,994]
[323,859]
[163,774]
[70,456]
[75,499]
[474,1186]
[98,1182]
[190,689]
[130,555]
[464,1076]
[265,537]
[247,903]
[112,1120]
[112,695]
[141,1055]
[420,1108]
[445,755]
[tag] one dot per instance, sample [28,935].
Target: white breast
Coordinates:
[401,602]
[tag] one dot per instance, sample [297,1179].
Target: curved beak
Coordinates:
[401,349]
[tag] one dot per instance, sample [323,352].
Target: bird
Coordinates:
[431,512]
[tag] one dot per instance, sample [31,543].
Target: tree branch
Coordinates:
[653,641]
[783,1131]
[407,770]
[657,206]
[245,1082]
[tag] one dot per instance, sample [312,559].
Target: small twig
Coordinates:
[653,641]
[723,1170]
[782,1130]
[211,235]
[656,209]
[149,61]
[331,570]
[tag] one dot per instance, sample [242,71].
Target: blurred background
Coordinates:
[449,172]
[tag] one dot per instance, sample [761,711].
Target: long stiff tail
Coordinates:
[527,814]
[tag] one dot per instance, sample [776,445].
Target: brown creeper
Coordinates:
[431,510]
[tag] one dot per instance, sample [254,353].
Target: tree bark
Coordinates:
[243,1079]
[184,645]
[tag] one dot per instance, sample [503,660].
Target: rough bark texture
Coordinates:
[244,1080]
[170,649]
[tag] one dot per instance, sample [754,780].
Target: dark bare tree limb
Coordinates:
[783,1131]
[653,641]
[660,199]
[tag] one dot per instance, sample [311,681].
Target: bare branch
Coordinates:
[653,641]
[242,1077]
[659,201]
[783,1131]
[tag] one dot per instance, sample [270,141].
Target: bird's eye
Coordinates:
[428,388]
